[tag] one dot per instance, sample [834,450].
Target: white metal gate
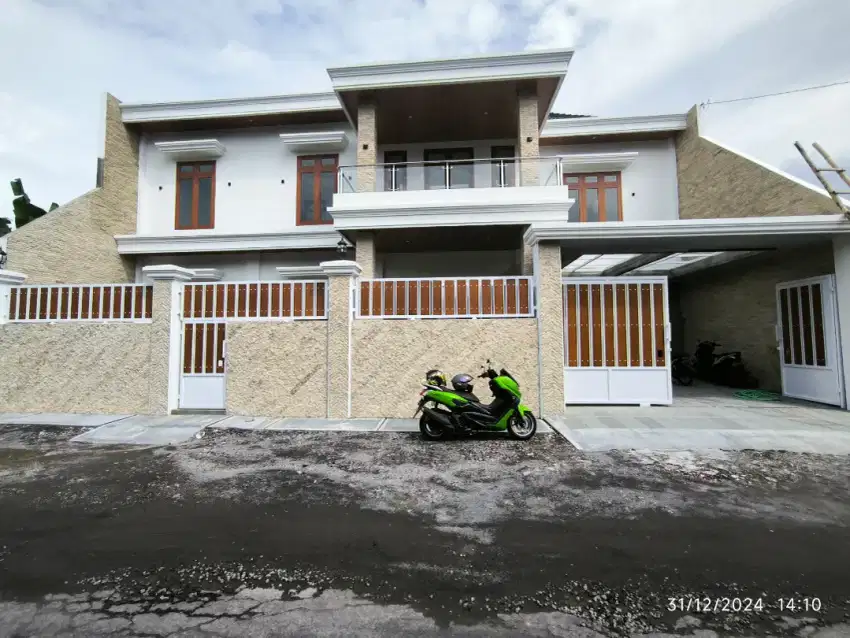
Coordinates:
[206,310]
[616,341]
[807,335]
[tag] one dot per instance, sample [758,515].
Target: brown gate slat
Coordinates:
[524,296]
[584,325]
[449,287]
[437,298]
[646,329]
[596,328]
[462,308]
[572,327]
[660,357]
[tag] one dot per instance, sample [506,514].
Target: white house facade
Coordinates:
[290,255]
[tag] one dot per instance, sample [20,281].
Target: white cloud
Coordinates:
[632,58]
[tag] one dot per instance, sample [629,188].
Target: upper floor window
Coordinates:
[395,170]
[502,169]
[195,195]
[597,197]
[316,188]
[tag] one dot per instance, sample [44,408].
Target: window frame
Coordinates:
[317,169]
[397,168]
[496,159]
[196,175]
[600,185]
[450,151]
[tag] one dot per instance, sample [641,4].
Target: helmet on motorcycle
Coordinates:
[435,377]
[462,383]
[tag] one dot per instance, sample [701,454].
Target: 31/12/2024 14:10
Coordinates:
[741,604]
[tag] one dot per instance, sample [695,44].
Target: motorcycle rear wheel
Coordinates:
[521,427]
[431,430]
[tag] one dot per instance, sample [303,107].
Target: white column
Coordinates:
[8,279]
[841,256]
[166,334]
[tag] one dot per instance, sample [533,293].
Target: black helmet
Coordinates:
[462,383]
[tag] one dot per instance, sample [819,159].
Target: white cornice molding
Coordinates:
[515,66]
[229,107]
[168,272]
[341,267]
[12,278]
[581,126]
[314,141]
[179,150]
[301,272]
[207,274]
[597,161]
[741,227]
[209,242]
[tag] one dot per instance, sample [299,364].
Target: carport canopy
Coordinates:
[675,247]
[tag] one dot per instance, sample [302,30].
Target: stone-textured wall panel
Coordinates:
[159,350]
[716,182]
[277,369]
[365,254]
[75,243]
[735,305]
[528,127]
[367,134]
[338,324]
[390,358]
[550,313]
[75,367]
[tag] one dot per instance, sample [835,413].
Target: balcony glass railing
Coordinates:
[451,174]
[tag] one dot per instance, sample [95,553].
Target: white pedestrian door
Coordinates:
[807,335]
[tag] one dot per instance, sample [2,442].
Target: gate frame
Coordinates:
[834,321]
[622,280]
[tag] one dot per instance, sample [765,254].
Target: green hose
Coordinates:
[757,395]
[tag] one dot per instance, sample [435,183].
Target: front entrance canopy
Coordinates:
[689,235]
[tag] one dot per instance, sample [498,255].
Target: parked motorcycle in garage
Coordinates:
[724,368]
[458,411]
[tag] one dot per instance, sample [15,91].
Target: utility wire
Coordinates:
[756,97]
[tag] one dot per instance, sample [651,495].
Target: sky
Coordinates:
[631,58]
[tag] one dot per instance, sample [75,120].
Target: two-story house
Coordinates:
[583,250]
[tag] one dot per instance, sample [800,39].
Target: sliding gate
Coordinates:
[616,341]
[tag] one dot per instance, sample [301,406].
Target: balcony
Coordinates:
[508,190]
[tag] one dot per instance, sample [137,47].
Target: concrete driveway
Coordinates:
[705,417]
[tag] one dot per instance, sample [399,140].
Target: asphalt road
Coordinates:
[338,534]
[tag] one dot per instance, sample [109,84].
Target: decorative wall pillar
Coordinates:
[166,325]
[8,279]
[367,146]
[841,256]
[364,253]
[342,278]
[528,142]
[550,326]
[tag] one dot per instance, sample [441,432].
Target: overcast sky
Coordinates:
[632,58]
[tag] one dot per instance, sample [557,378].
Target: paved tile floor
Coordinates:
[708,417]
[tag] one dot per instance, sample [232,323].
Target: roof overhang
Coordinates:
[200,242]
[748,233]
[276,109]
[546,68]
[594,127]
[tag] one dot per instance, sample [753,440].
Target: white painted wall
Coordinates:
[254,163]
[650,186]
[257,266]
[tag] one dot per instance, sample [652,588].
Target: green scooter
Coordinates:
[458,411]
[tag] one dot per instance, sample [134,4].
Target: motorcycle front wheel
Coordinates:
[431,431]
[522,427]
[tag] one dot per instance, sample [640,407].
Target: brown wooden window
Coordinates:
[195,195]
[316,188]
[598,197]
